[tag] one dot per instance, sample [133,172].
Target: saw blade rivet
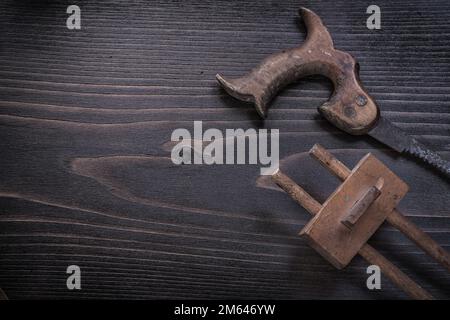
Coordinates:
[361,100]
[349,111]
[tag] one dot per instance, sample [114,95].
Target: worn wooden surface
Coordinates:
[86,178]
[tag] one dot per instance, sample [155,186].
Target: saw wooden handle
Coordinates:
[350,107]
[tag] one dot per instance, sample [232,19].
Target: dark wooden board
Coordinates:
[86,178]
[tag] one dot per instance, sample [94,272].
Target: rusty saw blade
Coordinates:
[392,136]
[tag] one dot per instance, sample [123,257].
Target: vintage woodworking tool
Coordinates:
[350,108]
[342,225]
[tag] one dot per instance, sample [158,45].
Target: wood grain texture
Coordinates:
[85,121]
